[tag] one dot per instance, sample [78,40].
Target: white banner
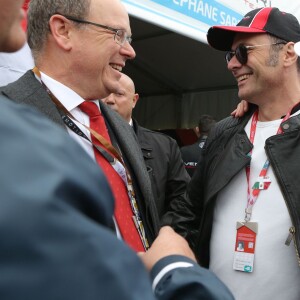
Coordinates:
[192,18]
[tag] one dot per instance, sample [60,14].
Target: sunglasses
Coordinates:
[241,52]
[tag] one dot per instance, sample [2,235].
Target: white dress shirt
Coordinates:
[71,100]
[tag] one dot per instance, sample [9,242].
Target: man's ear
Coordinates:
[135,100]
[290,54]
[60,29]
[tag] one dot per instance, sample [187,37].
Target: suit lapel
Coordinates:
[230,161]
[128,144]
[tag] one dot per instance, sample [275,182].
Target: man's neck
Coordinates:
[280,98]
[275,111]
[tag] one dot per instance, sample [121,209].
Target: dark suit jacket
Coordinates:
[168,176]
[28,90]
[55,243]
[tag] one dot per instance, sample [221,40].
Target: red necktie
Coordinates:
[123,211]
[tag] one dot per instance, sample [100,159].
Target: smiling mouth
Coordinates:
[116,67]
[243,77]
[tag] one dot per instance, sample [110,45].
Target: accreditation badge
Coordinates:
[245,246]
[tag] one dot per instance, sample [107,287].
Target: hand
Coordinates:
[167,243]
[240,110]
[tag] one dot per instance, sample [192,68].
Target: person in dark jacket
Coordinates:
[191,154]
[162,157]
[246,188]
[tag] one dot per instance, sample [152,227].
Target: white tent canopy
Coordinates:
[176,73]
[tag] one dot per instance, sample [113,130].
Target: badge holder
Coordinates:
[245,246]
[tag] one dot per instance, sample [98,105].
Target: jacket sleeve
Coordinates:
[177,277]
[177,213]
[186,201]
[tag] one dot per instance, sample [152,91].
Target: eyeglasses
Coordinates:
[120,35]
[241,52]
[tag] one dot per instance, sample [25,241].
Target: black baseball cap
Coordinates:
[261,20]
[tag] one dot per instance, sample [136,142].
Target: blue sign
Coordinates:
[209,12]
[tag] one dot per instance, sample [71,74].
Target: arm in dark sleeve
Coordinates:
[187,212]
[195,196]
[55,212]
[177,277]
[180,214]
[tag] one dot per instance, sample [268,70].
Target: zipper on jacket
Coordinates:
[291,236]
[292,230]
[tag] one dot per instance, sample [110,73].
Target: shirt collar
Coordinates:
[64,94]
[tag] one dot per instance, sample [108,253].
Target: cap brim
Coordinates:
[221,37]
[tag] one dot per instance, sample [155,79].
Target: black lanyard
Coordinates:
[72,126]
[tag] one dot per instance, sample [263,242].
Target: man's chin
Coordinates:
[242,95]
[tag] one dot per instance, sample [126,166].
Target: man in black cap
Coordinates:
[246,189]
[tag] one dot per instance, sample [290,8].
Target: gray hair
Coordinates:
[39,13]
[273,61]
